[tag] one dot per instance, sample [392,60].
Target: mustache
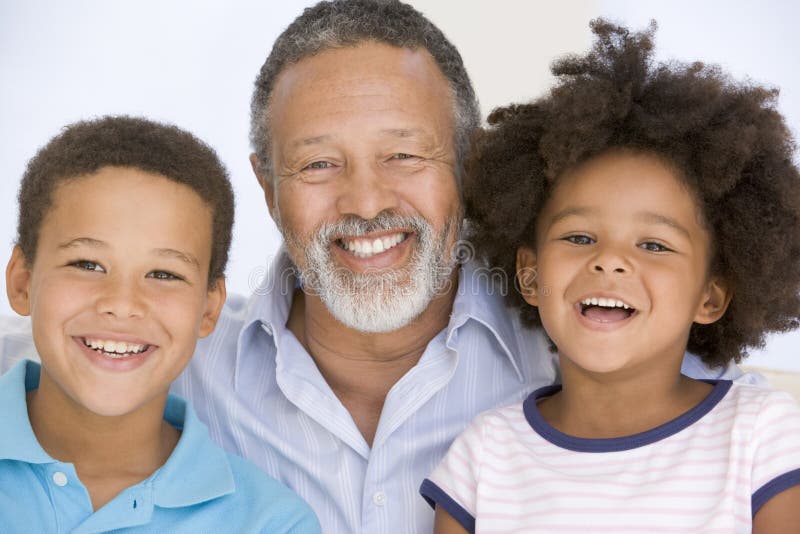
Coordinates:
[355,226]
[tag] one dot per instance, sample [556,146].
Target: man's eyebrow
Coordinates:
[658,218]
[404,132]
[177,254]
[86,241]
[307,141]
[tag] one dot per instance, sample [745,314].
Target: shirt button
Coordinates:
[379,498]
[60,479]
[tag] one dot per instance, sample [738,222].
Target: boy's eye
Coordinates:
[87,265]
[163,275]
[654,246]
[579,239]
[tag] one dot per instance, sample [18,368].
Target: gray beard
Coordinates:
[382,300]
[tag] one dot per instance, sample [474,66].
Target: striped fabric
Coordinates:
[263,398]
[709,470]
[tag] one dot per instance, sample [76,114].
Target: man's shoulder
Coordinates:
[16,341]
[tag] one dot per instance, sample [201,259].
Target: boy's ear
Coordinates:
[18,282]
[527,275]
[714,303]
[267,185]
[215,299]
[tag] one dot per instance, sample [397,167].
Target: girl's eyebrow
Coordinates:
[658,218]
[570,212]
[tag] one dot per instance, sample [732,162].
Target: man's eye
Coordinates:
[654,246]
[318,165]
[579,239]
[87,265]
[164,275]
[403,155]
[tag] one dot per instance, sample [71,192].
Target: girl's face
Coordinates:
[621,266]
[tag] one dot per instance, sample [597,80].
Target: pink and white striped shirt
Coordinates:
[709,470]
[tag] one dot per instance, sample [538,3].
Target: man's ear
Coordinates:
[714,303]
[18,282]
[266,183]
[527,275]
[215,299]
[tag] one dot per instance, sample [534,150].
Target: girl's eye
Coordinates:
[653,246]
[579,239]
[163,275]
[87,265]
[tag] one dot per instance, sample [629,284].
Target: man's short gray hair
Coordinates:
[342,23]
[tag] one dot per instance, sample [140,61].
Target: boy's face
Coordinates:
[118,293]
[622,229]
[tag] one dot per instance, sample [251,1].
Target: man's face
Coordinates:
[363,185]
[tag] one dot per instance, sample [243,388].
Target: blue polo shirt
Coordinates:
[200,488]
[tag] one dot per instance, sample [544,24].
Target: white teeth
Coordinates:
[114,348]
[605,303]
[364,248]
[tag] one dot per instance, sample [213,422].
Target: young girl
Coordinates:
[644,209]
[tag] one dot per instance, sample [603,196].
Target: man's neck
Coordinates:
[109,453]
[362,367]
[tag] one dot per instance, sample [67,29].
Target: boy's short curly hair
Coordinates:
[85,147]
[725,138]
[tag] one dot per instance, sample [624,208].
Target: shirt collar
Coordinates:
[196,471]
[480,297]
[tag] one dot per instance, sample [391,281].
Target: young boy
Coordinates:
[123,236]
[644,209]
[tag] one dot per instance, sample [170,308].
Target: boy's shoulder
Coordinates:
[199,471]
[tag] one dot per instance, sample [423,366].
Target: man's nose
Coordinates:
[120,298]
[367,191]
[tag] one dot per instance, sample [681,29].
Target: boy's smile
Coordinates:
[118,291]
[623,255]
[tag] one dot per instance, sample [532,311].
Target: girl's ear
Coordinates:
[18,283]
[527,275]
[714,303]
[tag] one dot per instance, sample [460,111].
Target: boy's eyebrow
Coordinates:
[165,252]
[183,256]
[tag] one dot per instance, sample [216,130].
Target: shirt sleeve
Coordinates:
[453,484]
[776,448]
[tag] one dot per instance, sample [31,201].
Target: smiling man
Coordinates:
[369,347]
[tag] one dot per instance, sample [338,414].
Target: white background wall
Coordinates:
[193,63]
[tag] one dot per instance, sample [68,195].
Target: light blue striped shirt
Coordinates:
[263,398]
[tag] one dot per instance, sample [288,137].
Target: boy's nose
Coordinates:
[121,300]
[366,191]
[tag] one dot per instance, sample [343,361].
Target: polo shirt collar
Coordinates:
[196,471]
[480,298]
